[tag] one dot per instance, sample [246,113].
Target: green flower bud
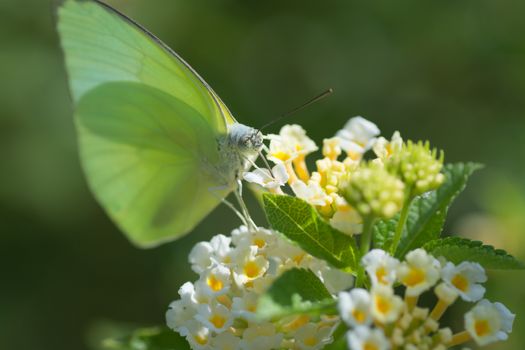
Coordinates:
[418,166]
[373,191]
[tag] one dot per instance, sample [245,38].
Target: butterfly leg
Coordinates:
[238,193]
[228,204]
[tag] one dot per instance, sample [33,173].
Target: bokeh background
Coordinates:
[452,71]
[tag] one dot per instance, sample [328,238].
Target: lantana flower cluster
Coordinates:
[380,320]
[218,311]
[351,192]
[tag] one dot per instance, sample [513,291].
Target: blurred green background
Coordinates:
[449,71]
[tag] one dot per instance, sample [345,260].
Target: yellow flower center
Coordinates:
[299,321]
[217,320]
[251,269]
[381,275]
[482,327]
[259,242]
[359,316]
[199,339]
[370,346]
[214,283]
[311,341]
[298,258]
[460,282]
[281,155]
[389,150]
[301,168]
[382,304]
[414,277]
[224,300]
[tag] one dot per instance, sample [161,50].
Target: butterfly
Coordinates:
[159,148]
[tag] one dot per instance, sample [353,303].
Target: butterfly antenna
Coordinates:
[299,108]
[266,164]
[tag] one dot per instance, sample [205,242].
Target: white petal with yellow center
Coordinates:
[386,306]
[357,136]
[249,265]
[312,193]
[380,266]
[364,338]
[215,281]
[261,336]
[465,279]
[215,316]
[355,307]
[489,322]
[419,272]
[312,337]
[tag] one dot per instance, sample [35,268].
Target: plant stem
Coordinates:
[366,236]
[401,224]
[366,239]
[360,278]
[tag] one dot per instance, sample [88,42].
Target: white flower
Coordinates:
[334,280]
[380,266]
[446,293]
[355,307]
[215,281]
[332,148]
[384,148]
[347,220]
[204,254]
[386,306]
[357,136]
[489,322]
[225,341]
[296,135]
[249,266]
[245,307]
[221,248]
[287,255]
[215,316]
[364,338]
[262,238]
[464,278]
[272,181]
[260,285]
[419,272]
[312,192]
[291,143]
[179,312]
[261,337]
[197,335]
[312,337]
[187,293]
[200,256]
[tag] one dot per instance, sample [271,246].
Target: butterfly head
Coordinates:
[246,139]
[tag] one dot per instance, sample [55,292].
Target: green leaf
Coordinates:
[301,223]
[154,338]
[457,249]
[384,232]
[339,336]
[427,213]
[295,291]
[339,343]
